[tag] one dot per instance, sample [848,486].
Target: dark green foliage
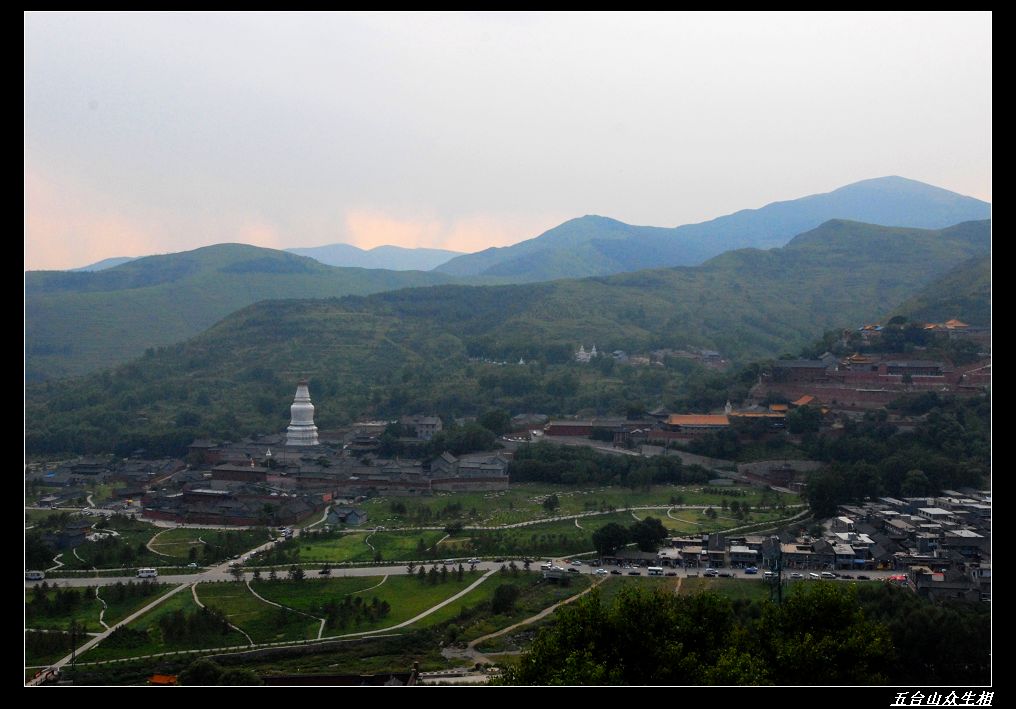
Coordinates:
[504,598]
[551,463]
[181,628]
[804,419]
[551,503]
[648,534]
[951,448]
[202,672]
[610,538]
[239,676]
[819,636]
[351,611]
[935,644]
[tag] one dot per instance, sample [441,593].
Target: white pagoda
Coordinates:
[301,431]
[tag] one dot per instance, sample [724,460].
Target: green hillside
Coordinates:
[594,245]
[79,322]
[440,349]
[963,293]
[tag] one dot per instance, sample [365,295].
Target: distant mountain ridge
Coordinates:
[79,321]
[594,245]
[393,258]
[106,263]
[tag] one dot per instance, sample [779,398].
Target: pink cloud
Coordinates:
[370,228]
[65,228]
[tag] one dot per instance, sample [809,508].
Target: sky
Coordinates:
[154,133]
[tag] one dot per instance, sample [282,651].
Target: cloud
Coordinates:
[66,227]
[369,228]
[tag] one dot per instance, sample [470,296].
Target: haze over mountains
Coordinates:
[371,355]
[394,258]
[594,245]
[77,322]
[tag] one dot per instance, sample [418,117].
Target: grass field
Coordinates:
[750,589]
[118,609]
[535,594]
[309,594]
[155,643]
[263,622]
[524,503]
[394,546]
[86,612]
[210,545]
[406,595]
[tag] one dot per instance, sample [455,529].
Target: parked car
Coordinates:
[634,572]
[863,577]
[796,575]
[751,570]
[710,572]
[671,573]
[615,572]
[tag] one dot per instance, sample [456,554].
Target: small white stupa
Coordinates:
[301,431]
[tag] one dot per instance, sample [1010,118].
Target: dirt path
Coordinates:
[476,656]
[153,549]
[57,562]
[194,593]
[104,607]
[321,628]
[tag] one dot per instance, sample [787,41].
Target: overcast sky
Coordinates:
[152,133]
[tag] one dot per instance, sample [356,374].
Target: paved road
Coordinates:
[222,573]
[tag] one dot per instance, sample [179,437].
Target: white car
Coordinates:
[473,561]
[601,572]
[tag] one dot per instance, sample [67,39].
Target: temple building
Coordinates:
[302,431]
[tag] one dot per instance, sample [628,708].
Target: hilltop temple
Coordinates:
[301,431]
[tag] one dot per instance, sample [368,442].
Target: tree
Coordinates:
[551,503]
[648,534]
[272,576]
[239,676]
[237,573]
[296,573]
[257,575]
[711,513]
[504,598]
[203,673]
[497,421]
[410,568]
[610,538]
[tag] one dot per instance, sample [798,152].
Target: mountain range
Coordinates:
[459,349]
[78,322]
[594,245]
[394,258]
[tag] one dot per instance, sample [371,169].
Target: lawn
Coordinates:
[753,589]
[613,585]
[44,612]
[152,642]
[263,622]
[309,594]
[210,545]
[524,503]
[472,614]
[122,602]
[394,546]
